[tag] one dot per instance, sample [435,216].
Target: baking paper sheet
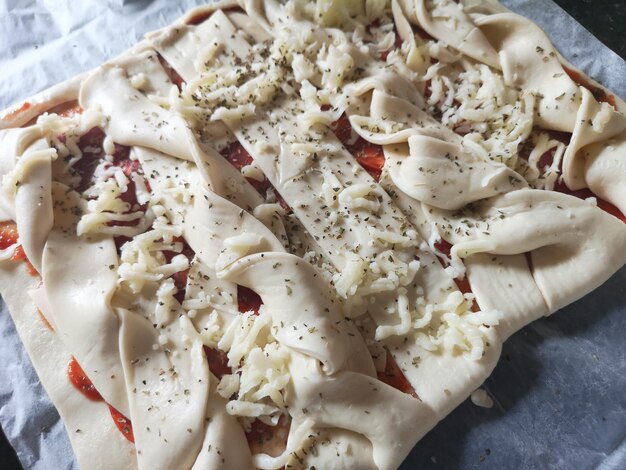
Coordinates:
[560,387]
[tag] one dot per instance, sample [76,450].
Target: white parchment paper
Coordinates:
[559,389]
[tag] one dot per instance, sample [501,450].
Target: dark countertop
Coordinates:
[605,19]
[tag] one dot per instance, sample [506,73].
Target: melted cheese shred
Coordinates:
[351,271]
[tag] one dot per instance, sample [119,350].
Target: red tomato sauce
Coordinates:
[547,159]
[462,284]
[9,237]
[20,255]
[248,300]
[13,114]
[586,193]
[8,234]
[218,362]
[67,109]
[45,320]
[598,93]
[271,440]
[123,424]
[79,379]
[239,157]
[202,16]
[396,45]
[180,278]
[393,376]
[83,384]
[171,73]
[370,156]
[90,145]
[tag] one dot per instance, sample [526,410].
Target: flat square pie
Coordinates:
[295,234]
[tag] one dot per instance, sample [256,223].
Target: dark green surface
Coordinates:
[606,19]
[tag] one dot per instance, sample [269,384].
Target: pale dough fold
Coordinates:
[574,246]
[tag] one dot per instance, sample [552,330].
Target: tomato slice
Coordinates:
[67,109]
[342,129]
[598,93]
[202,16]
[20,255]
[248,300]
[171,73]
[271,440]
[8,234]
[393,376]
[239,157]
[123,424]
[218,362]
[586,193]
[45,320]
[370,156]
[180,278]
[463,284]
[79,379]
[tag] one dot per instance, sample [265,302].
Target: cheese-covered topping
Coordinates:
[260,365]
[332,172]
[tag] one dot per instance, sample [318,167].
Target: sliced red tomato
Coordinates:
[586,193]
[281,201]
[393,376]
[123,424]
[45,320]
[370,156]
[171,73]
[237,155]
[463,284]
[8,234]
[67,109]
[20,255]
[90,145]
[396,45]
[270,440]
[342,129]
[218,362]
[202,16]
[248,300]
[598,93]
[79,379]
[9,237]
[180,278]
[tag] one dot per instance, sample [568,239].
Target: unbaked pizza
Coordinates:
[295,234]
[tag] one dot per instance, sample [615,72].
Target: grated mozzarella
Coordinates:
[261,365]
